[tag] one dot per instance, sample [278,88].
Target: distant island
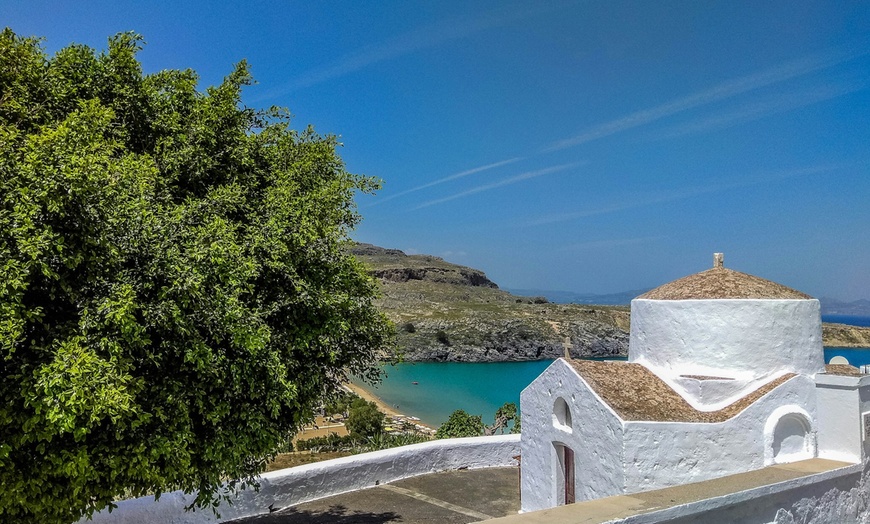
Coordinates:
[450,313]
[857,308]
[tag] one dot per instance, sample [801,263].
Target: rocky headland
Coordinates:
[446,312]
[449,313]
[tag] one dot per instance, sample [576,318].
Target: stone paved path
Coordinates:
[452,497]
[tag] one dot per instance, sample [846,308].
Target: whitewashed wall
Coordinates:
[839,496]
[595,436]
[613,456]
[746,339]
[841,403]
[663,454]
[292,486]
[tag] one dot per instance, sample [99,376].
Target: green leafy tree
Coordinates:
[339,403]
[364,419]
[517,427]
[176,293]
[460,424]
[503,415]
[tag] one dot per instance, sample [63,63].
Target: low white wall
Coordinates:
[292,486]
[841,496]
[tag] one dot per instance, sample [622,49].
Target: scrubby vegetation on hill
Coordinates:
[446,312]
[843,336]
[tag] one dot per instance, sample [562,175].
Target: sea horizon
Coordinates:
[851,320]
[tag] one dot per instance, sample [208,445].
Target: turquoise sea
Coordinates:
[856,357]
[433,390]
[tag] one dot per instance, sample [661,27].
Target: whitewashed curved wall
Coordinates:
[595,436]
[746,338]
[291,486]
[664,454]
[613,456]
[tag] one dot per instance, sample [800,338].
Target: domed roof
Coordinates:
[719,282]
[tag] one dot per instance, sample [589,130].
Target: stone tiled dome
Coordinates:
[719,282]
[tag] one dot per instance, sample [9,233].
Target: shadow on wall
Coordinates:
[336,514]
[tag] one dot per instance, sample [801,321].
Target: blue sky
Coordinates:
[583,146]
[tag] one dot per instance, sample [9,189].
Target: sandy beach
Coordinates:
[323,427]
[389,410]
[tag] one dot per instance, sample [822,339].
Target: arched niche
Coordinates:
[562,415]
[789,438]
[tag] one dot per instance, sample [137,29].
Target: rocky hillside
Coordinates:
[392,265]
[446,312]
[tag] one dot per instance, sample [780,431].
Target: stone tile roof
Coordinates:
[636,393]
[720,282]
[842,369]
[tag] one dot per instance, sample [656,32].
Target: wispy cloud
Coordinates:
[453,255]
[504,182]
[684,193]
[760,109]
[610,243]
[455,176]
[725,90]
[418,39]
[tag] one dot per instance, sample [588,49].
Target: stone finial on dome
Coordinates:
[718,260]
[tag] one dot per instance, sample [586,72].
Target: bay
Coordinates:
[433,390]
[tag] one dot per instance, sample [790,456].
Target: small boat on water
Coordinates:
[415,383]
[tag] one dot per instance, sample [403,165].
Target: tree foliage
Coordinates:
[338,403]
[461,424]
[506,413]
[517,427]
[364,419]
[175,289]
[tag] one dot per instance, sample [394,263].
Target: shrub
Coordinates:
[364,419]
[461,424]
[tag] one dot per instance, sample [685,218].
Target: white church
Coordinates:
[725,374]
